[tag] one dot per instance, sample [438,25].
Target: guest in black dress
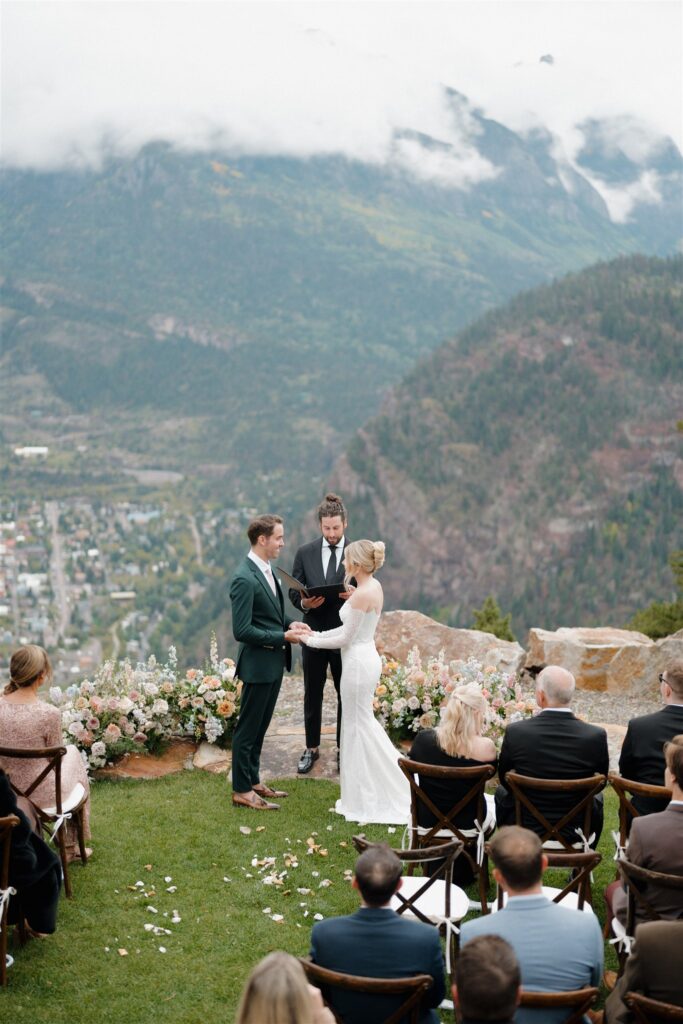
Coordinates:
[456,742]
[34,869]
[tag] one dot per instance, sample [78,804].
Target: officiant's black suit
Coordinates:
[308,569]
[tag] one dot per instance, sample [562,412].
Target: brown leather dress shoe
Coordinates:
[266,791]
[254,801]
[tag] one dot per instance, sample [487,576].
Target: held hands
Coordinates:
[297,631]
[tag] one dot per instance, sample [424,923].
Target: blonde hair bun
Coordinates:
[378,549]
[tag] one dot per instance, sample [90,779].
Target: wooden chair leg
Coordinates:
[80,825]
[3,951]
[65,863]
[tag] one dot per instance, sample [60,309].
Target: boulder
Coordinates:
[177,756]
[212,758]
[399,631]
[613,660]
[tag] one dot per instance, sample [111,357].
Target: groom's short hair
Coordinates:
[262,526]
[377,872]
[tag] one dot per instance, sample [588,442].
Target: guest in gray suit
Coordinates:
[656,843]
[558,949]
[376,942]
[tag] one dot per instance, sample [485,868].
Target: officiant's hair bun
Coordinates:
[331,505]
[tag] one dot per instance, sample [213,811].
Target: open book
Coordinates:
[329,590]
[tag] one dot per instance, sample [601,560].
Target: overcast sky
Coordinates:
[327,76]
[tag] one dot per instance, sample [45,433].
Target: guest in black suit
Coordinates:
[642,754]
[315,565]
[34,869]
[487,982]
[376,942]
[553,745]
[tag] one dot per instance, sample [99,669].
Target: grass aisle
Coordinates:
[184,827]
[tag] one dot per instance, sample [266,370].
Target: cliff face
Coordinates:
[535,457]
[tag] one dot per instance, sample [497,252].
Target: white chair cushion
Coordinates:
[432,903]
[489,823]
[69,803]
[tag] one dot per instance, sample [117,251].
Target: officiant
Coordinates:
[318,564]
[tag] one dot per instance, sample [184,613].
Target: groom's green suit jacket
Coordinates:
[259,626]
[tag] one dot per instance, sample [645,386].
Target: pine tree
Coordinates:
[490,619]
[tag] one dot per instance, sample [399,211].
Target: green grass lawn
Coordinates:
[184,827]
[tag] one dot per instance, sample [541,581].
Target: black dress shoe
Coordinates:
[306,761]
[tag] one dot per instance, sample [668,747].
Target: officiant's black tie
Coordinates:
[331,565]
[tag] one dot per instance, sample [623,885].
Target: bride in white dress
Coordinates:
[373,787]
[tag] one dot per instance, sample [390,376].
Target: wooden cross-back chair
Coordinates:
[53,818]
[635,878]
[444,827]
[576,894]
[412,989]
[626,789]
[6,826]
[432,899]
[551,832]
[578,1002]
[652,1011]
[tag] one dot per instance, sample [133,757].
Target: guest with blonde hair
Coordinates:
[456,742]
[277,993]
[27,721]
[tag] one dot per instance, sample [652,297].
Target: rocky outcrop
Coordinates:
[615,660]
[399,631]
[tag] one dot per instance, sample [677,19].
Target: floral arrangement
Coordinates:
[409,696]
[126,708]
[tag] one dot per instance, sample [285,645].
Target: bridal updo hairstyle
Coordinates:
[276,993]
[367,555]
[462,718]
[26,664]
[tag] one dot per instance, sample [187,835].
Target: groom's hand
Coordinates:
[312,602]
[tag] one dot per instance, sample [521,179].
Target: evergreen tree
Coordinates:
[490,619]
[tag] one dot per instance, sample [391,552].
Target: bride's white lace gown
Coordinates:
[373,787]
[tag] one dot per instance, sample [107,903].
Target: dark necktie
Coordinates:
[331,565]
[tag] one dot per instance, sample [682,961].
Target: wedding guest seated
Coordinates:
[277,992]
[558,949]
[376,942]
[656,843]
[654,969]
[487,981]
[553,745]
[456,742]
[642,753]
[34,869]
[27,721]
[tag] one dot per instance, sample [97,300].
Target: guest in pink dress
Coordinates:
[27,721]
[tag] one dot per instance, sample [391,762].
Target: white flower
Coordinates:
[413,703]
[98,749]
[56,695]
[151,689]
[159,707]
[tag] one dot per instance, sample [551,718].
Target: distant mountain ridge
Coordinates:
[536,456]
[250,311]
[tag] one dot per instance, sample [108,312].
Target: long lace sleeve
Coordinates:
[342,636]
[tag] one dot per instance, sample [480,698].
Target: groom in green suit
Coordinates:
[264,636]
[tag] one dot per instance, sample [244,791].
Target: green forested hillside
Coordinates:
[536,456]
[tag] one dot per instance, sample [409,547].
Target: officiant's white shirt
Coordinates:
[338,553]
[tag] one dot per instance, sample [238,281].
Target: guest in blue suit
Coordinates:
[558,949]
[376,942]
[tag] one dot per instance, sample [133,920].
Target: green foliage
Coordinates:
[490,619]
[662,618]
